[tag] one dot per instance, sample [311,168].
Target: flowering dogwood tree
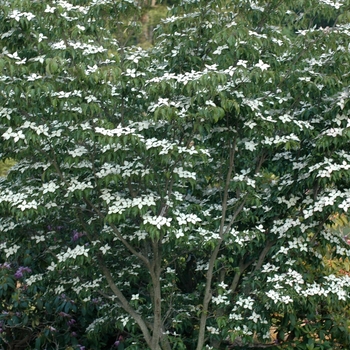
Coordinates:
[186,192]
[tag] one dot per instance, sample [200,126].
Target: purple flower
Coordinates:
[19,273]
[117,343]
[5,265]
[77,235]
[71,322]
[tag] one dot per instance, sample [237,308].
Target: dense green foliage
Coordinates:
[178,197]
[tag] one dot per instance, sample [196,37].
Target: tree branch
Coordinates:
[123,301]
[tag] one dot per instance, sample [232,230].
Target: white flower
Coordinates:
[220,299]
[236,317]
[91,98]
[49,187]
[78,152]
[105,248]
[213,330]
[250,145]
[41,37]
[242,63]
[34,278]
[157,221]
[184,173]
[219,49]
[39,239]
[250,124]
[135,297]
[285,118]
[223,285]
[246,303]
[263,66]
[52,266]
[50,9]
[73,253]
[11,250]
[254,317]
[179,233]
[24,205]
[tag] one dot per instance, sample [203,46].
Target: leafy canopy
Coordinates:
[181,196]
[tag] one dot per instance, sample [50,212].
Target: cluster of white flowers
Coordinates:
[73,253]
[165,145]
[280,139]
[268,268]
[33,279]
[331,285]
[250,145]
[220,299]
[17,15]
[184,173]
[256,317]
[118,131]
[120,203]
[13,198]
[245,303]
[213,330]
[38,239]
[88,49]
[141,234]
[78,151]
[328,198]
[291,278]
[6,112]
[50,187]
[108,169]
[78,286]
[15,135]
[66,94]
[100,320]
[75,185]
[158,221]
[330,168]
[282,226]
[184,219]
[236,317]
[186,77]
[242,237]
[28,205]
[207,234]
[136,56]
[277,297]
[334,3]
[244,178]
[11,250]
[5,226]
